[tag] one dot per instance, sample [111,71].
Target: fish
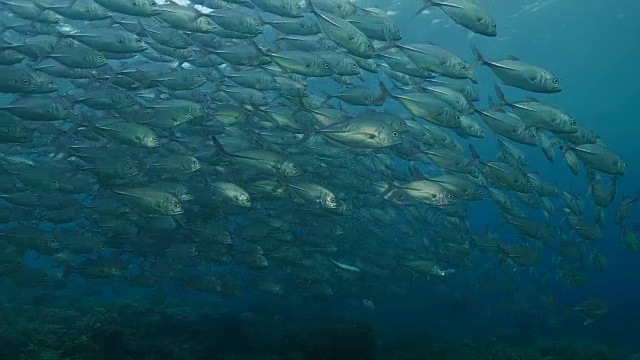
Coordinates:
[151,201]
[600,158]
[438,60]
[295,151]
[517,73]
[344,34]
[467,13]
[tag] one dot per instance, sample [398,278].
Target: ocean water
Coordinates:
[487,308]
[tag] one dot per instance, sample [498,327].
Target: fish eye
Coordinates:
[138,40]
[25,81]
[228,237]
[573,122]
[480,192]
[395,134]
[464,67]
[294,166]
[450,197]
[326,66]
[176,205]
[128,97]
[555,80]
[457,117]
[397,29]
[154,4]
[332,200]
[50,82]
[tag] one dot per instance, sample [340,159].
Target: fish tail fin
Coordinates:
[68,270]
[42,8]
[384,89]
[474,153]
[388,45]
[278,40]
[257,48]
[219,147]
[310,6]
[384,95]
[502,100]
[391,186]
[416,172]
[305,137]
[427,4]
[327,96]
[476,52]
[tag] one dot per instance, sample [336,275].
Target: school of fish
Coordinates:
[304,145]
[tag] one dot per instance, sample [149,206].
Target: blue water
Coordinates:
[591,47]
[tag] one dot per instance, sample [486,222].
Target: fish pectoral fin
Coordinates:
[523,107]
[440,3]
[107,128]
[583,151]
[299,188]
[128,194]
[325,18]
[502,66]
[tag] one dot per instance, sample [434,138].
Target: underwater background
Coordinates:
[299,281]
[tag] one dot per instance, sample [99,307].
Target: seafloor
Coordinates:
[128,331]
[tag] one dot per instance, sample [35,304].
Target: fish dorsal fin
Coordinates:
[513,57]
[532,99]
